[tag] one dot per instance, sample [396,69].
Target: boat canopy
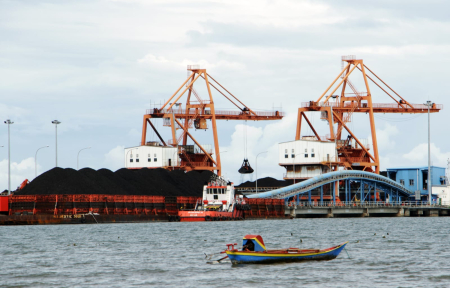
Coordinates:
[253,243]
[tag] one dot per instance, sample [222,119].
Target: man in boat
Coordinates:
[249,246]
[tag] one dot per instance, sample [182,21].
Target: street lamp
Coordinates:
[56,122]
[9,122]
[429,105]
[256,166]
[35,161]
[78,156]
[295,157]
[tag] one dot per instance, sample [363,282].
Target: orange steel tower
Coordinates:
[339,108]
[195,115]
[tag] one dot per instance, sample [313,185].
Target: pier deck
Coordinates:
[373,209]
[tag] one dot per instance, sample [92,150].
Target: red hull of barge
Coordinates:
[80,209]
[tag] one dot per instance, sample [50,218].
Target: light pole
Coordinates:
[256,166]
[78,156]
[295,157]
[56,122]
[429,105]
[9,122]
[35,161]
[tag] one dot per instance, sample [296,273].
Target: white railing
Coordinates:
[374,105]
[368,204]
[192,112]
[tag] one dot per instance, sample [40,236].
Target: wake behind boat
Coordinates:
[254,252]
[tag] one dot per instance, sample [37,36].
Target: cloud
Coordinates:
[114,159]
[150,59]
[162,62]
[399,50]
[97,72]
[282,13]
[259,139]
[401,8]
[19,172]
[419,155]
[385,137]
[232,159]
[134,133]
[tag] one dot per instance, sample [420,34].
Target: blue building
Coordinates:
[415,178]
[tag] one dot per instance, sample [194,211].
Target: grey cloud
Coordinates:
[88,76]
[354,32]
[435,10]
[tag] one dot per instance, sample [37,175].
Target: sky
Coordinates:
[96,66]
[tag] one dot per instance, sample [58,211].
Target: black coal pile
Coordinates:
[122,182]
[266,182]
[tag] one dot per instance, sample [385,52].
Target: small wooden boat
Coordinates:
[254,252]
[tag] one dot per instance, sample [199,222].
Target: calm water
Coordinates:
[414,254]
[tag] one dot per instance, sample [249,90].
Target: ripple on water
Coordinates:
[172,254]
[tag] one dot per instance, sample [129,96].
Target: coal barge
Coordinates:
[67,196]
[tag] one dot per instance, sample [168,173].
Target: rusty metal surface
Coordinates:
[76,209]
[78,219]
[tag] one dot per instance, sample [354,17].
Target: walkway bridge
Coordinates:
[345,185]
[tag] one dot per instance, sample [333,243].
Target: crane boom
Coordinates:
[195,114]
[355,156]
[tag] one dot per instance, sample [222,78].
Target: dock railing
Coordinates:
[358,204]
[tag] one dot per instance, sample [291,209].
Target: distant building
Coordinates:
[155,155]
[151,155]
[415,178]
[308,157]
[443,194]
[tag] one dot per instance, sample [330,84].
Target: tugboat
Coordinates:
[218,203]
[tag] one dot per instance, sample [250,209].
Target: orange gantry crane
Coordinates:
[339,108]
[195,115]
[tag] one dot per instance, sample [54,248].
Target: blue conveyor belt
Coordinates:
[327,178]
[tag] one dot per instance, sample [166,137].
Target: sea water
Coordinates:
[383,252]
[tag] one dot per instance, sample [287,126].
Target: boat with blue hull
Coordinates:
[254,252]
